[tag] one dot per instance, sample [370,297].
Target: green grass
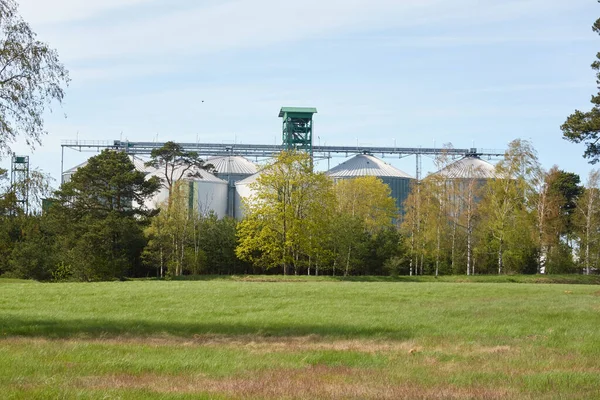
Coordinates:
[246,337]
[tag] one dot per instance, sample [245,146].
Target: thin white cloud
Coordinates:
[59,11]
[462,41]
[227,25]
[84,75]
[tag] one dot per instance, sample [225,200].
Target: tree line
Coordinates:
[98,226]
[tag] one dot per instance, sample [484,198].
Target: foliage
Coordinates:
[108,183]
[584,126]
[368,199]
[287,216]
[587,223]
[506,214]
[31,77]
[98,218]
[175,164]
[184,241]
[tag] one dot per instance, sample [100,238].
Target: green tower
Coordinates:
[298,128]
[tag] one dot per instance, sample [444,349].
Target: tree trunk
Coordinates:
[500,258]
[348,261]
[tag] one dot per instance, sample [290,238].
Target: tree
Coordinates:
[175,163]
[31,77]
[368,199]
[284,219]
[109,182]
[506,215]
[98,218]
[584,126]
[363,204]
[588,221]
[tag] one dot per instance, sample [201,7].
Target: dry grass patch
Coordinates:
[259,344]
[315,382]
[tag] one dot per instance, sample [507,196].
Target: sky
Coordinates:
[476,73]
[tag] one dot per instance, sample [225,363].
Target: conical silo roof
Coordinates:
[232,165]
[138,163]
[193,174]
[366,165]
[468,168]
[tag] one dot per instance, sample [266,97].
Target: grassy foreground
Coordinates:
[305,340]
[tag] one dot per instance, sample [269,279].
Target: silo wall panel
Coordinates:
[210,196]
[400,188]
[242,192]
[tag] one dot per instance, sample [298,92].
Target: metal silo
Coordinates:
[232,169]
[368,165]
[243,190]
[206,192]
[465,178]
[468,168]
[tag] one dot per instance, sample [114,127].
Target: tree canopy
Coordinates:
[584,126]
[31,77]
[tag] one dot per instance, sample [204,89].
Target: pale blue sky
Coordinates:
[417,71]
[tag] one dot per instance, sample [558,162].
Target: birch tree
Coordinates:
[505,198]
[282,222]
[588,221]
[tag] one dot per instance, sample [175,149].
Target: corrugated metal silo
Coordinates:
[466,176]
[232,169]
[470,167]
[368,165]
[207,192]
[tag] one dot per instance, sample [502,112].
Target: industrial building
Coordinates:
[223,191]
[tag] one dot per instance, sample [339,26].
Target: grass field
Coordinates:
[300,338]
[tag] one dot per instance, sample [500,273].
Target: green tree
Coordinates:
[284,217]
[368,199]
[584,126]
[587,222]
[31,77]
[98,218]
[108,183]
[175,163]
[505,208]
[364,209]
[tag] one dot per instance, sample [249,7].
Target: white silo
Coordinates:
[232,169]
[367,165]
[243,192]
[206,194]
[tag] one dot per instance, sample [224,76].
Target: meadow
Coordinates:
[302,338]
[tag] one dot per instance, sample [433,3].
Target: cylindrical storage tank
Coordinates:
[368,165]
[232,169]
[244,190]
[206,193]
[465,178]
